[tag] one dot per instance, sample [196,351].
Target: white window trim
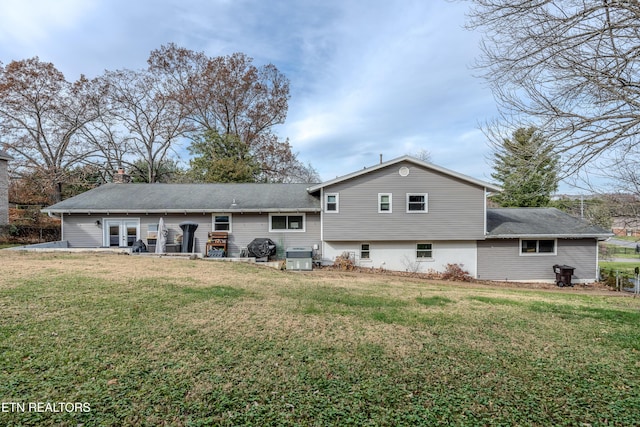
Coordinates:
[326,202]
[287,214]
[426,203]
[554,253]
[123,220]
[213,221]
[152,234]
[390,203]
[365,259]
[424,259]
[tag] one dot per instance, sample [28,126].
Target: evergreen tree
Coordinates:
[221,158]
[526,168]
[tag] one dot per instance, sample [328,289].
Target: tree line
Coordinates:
[69,136]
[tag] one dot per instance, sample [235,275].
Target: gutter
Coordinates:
[549,236]
[52,215]
[176,211]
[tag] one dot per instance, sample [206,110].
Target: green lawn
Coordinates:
[623,268]
[146,341]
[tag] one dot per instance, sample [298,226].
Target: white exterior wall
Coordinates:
[401,256]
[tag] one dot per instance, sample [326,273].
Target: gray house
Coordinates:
[4,187]
[403,214]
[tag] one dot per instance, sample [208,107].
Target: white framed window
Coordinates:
[424,251]
[538,247]
[222,222]
[385,201]
[332,203]
[152,231]
[417,203]
[287,222]
[365,251]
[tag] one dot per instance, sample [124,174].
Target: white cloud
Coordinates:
[28,22]
[366,77]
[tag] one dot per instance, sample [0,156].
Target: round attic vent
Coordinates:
[404,171]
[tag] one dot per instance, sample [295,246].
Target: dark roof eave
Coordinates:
[176,211]
[550,236]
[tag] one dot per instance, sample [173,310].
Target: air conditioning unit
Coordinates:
[300,258]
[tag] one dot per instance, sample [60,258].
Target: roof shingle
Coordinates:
[191,198]
[543,222]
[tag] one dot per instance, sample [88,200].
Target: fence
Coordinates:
[27,234]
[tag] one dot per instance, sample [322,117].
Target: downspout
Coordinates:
[597,259]
[322,223]
[485,212]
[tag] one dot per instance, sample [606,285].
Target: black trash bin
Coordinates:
[563,274]
[188,235]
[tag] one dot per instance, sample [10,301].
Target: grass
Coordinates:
[8,245]
[616,251]
[149,341]
[622,267]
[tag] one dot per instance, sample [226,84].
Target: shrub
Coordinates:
[345,262]
[455,272]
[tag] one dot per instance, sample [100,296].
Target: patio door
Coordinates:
[121,232]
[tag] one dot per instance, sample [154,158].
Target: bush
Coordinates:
[456,273]
[345,262]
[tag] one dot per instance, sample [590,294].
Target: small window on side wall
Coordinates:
[537,247]
[384,202]
[332,202]
[365,251]
[424,251]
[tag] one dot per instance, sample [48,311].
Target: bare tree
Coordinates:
[41,115]
[152,119]
[229,95]
[109,140]
[571,68]
[225,94]
[424,155]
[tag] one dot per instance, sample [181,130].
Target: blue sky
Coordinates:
[367,77]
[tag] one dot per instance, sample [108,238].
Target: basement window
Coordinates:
[424,251]
[365,251]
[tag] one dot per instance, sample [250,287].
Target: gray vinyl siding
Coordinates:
[501,260]
[81,231]
[455,207]
[4,192]
[246,227]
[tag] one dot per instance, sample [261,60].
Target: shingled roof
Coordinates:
[539,222]
[191,198]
